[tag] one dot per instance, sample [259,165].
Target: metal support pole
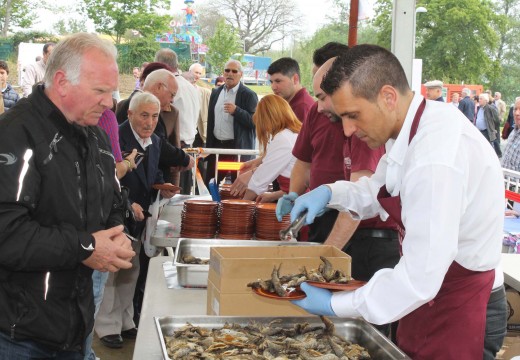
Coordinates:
[403,34]
[353,23]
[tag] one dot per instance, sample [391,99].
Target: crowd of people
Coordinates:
[384,174]
[485,111]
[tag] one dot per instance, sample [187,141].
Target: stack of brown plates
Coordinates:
[199,219]
[267,225]
[225,193]
[237,219]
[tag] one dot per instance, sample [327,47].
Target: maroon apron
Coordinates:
[452,325]
[284,183]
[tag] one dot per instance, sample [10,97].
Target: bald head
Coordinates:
[196,70]
[163,85]
[324,103]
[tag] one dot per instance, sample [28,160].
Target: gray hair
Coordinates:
[157,76]
[466,91]
[238,63]
[194,65]
[167,56]
[142,98]
[68,56]
[484,96]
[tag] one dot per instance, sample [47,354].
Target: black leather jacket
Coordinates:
[57,187]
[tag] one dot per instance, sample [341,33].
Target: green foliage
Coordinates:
[69,26]
[21,15]
[383,23]
[115,17]
[135,52]
[222,45]
[457,41]
[506,77]
[39,37]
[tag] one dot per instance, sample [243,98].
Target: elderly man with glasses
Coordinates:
[230,116]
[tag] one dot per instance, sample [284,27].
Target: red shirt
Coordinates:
[320,143]
[301,104]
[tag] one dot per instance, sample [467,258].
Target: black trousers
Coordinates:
[371,253]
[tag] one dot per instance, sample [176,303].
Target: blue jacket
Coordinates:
[10,97]
[140,181]
[467,106]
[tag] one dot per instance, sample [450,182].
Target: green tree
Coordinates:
[115,17]
[16,13]
[457,41]
[222,45]
[506,77]
[135,52]
[337,30]
[454,40]
[69,26]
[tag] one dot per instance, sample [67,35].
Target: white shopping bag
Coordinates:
[154,209]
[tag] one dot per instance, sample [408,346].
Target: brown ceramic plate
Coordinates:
[351,285]
[166,187]
[295,294]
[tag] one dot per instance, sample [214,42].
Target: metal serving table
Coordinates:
[159,300]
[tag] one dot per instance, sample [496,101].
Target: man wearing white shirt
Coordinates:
[187,101]
[427,181]
[230,117]
[33,73]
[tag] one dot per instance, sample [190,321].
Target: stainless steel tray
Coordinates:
[355,330]
[193,275]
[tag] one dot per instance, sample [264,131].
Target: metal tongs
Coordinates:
[291,232]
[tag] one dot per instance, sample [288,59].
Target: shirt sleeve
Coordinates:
[108,122]
[428,249]
[277,158]
[303,147]
[28,79]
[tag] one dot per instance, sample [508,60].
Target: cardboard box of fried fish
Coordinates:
[232,268]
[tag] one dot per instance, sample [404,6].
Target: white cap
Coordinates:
[434,84]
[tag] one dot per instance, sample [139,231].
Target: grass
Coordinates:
[261,89]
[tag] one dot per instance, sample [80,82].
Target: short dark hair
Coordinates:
[367,68]
[3,65]
[286,66]
[46,47]
[328,51]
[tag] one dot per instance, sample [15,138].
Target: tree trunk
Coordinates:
[7,17]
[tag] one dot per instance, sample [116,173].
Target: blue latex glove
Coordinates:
[317,301]
[285,204]
[314,202]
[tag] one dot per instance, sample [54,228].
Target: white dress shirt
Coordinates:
[278,160]
[187,101]
[223,129]
[32,74]
[452,196]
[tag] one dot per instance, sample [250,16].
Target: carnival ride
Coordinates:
[186,34]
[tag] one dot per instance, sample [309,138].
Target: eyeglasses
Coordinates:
[167,89]
[234,71]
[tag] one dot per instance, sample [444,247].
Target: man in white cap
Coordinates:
[434,90]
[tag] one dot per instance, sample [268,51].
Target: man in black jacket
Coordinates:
[230,116]
[466,105]
[60,206]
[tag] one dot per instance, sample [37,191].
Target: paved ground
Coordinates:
[105,353]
